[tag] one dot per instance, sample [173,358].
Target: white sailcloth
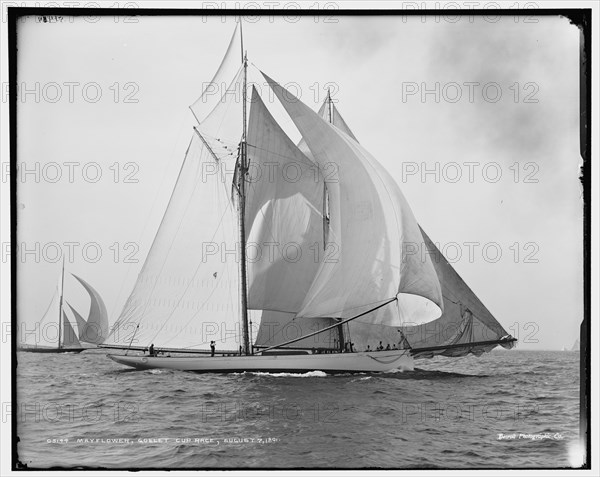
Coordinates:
[214,92]
[80,320]
[283,216]
[186,294]
[96,327]
[330,113]
[371,223]
[465,319]
[69,339]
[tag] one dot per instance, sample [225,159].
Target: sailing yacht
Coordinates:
[314,240]
[93,330]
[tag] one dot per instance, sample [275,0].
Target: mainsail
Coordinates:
[465,326]
[186,294]
[370,224]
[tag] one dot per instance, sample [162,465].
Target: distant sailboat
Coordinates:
[95,329]
[576,346]
[54,333]
[351,280]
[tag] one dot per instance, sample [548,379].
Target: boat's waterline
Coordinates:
[40,349]
[377,361]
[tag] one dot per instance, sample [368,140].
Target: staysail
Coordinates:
[370,224]
[69,339]
[80,320]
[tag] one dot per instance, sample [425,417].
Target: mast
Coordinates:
[340,326]
[329,106]
[60,302]
[243,168]
[341,335]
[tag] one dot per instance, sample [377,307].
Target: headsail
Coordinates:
[80,320]
[370,222]
[70,339]
[96,328]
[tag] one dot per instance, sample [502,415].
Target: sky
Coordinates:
[490,107]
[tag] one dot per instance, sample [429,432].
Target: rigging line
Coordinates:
[281,330]
[217,160]
[330,327]
[224,142]
[305,162]
[118,322]
[455,295]
[452,301]
[480,319]
[376,173]
[262,212]
[382,182]
[188,286]
[55,294]
[183,215]
[221,101]
[253,185]
[229,47]
[241,38]
[444,289]
[338,323]
[212,153]
[224,237]
[152,206]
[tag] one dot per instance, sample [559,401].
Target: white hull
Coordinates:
[377,361]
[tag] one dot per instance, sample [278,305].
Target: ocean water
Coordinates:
[505,409]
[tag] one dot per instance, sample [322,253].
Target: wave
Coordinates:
[309,374]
